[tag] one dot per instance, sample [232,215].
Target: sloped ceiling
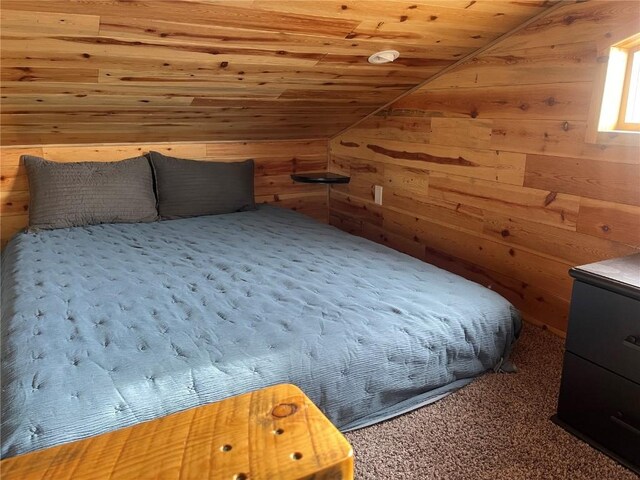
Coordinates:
[109,71]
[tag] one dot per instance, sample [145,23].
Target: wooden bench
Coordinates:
[273,433]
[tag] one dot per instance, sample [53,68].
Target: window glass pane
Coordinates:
[632,114]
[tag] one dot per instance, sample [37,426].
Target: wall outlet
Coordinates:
[377,194]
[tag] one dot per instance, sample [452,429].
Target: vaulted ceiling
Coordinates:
[117,71]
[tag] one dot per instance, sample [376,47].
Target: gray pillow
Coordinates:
[189,188]
[86,193]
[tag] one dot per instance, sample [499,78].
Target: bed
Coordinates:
[109,325]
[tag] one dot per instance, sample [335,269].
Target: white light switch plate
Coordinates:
[377,194]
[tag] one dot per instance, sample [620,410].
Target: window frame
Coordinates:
[604,111]
[622,124]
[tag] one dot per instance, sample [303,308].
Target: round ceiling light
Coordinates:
[386,56]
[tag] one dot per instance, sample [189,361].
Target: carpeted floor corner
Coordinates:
[497,427]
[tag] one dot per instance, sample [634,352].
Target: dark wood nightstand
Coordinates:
[600,391]
[320,177]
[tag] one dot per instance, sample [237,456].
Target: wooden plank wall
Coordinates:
[486,171]
[113,71]
[275,161]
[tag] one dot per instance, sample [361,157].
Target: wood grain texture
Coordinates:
[612,221]
[274,163]
[487,171]
[616,182]
[276,432]
[108,71]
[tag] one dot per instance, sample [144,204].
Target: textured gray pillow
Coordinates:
[86,193]
[189,188]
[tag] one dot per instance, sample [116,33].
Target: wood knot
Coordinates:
[550,198]
[605,228]
[284,410]
[505,233]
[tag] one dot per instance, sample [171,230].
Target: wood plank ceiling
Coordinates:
[117,71]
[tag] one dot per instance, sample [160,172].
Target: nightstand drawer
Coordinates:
[604,328]
[602,405]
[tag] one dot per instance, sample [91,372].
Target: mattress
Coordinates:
[110,325]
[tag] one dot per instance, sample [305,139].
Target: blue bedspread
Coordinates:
[110,325]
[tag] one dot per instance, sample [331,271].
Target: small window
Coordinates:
[630,109]
[620,110]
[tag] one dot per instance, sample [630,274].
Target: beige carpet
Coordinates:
[497,427]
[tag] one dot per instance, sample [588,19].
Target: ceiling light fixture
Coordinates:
[386,56]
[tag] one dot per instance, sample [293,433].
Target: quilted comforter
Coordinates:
[109,325]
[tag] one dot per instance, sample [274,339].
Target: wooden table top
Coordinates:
[273,433]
